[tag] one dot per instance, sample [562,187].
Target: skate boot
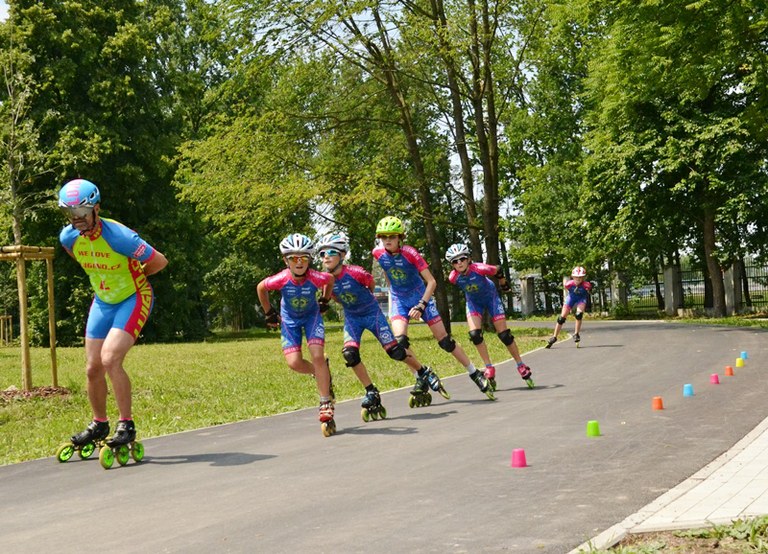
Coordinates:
[371,406]
[85,442]
[482,383]
[577,340]
[420,393]
[550,342]
[525,374]
[327,424]
[490,374]
[434,382]
[121,446]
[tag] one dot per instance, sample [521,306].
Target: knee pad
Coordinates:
[397,352]
[403,341]
[476,336]
[447,343]
[506,337]
[560,320]
[578,315]
[351,355]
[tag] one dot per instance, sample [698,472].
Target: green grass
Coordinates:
[178,387]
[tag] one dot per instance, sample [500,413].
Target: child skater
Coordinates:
[578,294]
[481,296]
[412,285]
[353,289]
[300,310]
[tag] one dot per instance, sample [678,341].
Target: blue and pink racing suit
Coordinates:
[577,294]
[299,310]
[479,290]
[112,257]
[403,270]
[352,290]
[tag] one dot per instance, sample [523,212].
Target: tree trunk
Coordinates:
[715,272]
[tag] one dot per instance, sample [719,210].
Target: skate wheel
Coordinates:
[412,402]
[530,384]
[444,393]
[427,400]
[106,457]
[489,394]
[375,415]
[65,452]
[123,455]
[365,414]
[383,413]
[137,452]
[492,381]
[87,450]
[328,428]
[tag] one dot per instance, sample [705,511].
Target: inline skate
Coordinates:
[371,406]
[577,340]
[525,374]
[327,424]
[490,375]
[121,446]
[482,383]
[550,342]
[85,442]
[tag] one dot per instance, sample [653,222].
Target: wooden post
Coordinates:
[26,366]
[52,322]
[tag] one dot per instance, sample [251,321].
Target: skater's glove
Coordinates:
[421,306]
[324,304]
[504,286]
[272,318]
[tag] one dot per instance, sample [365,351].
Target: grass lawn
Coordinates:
[178,387]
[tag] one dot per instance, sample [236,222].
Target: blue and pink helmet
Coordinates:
[79,193]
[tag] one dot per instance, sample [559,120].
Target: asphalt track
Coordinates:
[434,479]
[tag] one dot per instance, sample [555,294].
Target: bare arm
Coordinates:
[155,264]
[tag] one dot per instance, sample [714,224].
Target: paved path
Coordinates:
[434,479]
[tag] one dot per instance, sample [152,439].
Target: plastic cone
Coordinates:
[657,403]
[518,458]
[688,390]
[714,379]
[728,371]
[744,355]
[593,428]
[739,362]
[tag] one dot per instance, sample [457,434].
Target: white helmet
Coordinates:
[456,251]
[578,271]
[297,244]
[338,241]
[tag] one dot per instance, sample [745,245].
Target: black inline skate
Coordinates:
[550,342]
[482,383]
[371,406]
[434,382]
[121,446]
[85,442]
[577,340]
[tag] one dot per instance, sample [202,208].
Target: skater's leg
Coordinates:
[297,363]
[321,370]
[475,325]
[96,377]
[509,341]
[113,352]
[579,316]
[451,346]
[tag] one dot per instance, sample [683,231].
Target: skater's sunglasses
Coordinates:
[329,252]
[457,260]
[294,258]
[76,212]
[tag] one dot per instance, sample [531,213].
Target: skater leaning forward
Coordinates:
[481,296]
[300,311]
[411,286]
[577,296]
[117,262]
[353,289]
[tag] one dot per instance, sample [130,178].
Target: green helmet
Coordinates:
[390,225]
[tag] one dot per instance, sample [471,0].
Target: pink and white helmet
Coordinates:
[578,271]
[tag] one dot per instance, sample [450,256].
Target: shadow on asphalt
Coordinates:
[219,459]
[529,390]
[369,430]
